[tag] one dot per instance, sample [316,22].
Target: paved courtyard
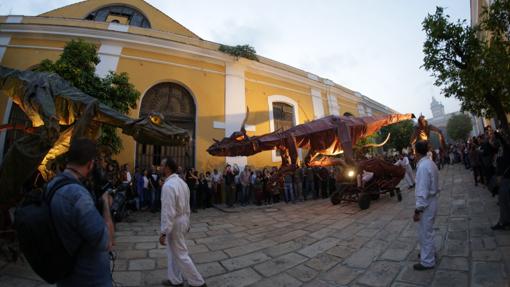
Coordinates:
[316,244]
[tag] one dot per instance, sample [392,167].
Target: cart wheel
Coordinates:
[336,197]
[364,201]
[399,196]
[375,196]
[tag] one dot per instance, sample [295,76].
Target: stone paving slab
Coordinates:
[316,244]
[381,273]
[239,278]
[280,264]
[281,280]
[319,247]
[244,261]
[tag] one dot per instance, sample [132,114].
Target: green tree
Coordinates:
[400,135]
[459,127]
[472,63]
[77,64]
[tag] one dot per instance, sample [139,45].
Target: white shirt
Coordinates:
[427,182]
[128,177]
[403,162]
[216,177]
[145,182]
[174,202]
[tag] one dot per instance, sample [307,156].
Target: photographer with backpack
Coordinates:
[66,239]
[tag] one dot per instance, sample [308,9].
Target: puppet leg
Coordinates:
[20,164]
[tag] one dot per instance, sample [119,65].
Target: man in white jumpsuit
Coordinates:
[175,212]
[409,177]
[427,189]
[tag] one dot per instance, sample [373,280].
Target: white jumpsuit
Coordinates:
[175,213]
[427,189]
[409,176]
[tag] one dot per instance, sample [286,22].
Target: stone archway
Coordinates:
[176,103]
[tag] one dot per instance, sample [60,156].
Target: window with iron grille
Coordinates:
[283,117]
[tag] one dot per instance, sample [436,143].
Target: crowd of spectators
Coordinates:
[231,186]
[487,155]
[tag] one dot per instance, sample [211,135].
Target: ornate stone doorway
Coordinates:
[178,107]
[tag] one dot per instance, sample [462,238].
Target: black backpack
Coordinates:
[38,237]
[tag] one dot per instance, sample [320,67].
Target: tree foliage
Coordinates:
[400,135]
[472,64]
[77,64]
[459,127]
[244,51]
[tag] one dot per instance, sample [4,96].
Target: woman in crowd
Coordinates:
[192,181]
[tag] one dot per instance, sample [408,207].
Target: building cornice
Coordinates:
[184,47]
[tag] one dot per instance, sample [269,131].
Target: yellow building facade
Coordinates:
[180,75]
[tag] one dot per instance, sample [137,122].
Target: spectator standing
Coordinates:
[403,161]
[298,183]
[192,180]
[209,194]
[503,170]
[175,222]
[146,193]
[81,228]
[257,182]
[266,186]
[201,191]
[288,190]
[474,159]
[427,188]
[138,178]
[309,182]
[228,179]
[324,180]
[127,175]
[154,179]
[316,182]
[245,180]
[216,178]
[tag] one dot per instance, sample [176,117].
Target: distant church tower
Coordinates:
[437,108]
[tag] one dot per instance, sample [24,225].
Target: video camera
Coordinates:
[118,209]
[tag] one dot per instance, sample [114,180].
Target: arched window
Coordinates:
[120,14]
[178,108]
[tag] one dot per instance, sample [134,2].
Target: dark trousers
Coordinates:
[504,201]
[217,189]
[193,198]
[309,189]
[230,190]
[477,174]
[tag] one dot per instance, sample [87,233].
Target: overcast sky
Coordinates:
[370,46]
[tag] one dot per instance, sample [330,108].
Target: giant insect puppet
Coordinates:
[60,112]
[422,133]
[331,135]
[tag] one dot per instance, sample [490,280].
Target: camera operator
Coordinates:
[503,170]
[83,231]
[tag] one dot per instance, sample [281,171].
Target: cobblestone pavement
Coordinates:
[316,244]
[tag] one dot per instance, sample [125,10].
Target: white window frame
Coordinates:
[334,108]
[361,110]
